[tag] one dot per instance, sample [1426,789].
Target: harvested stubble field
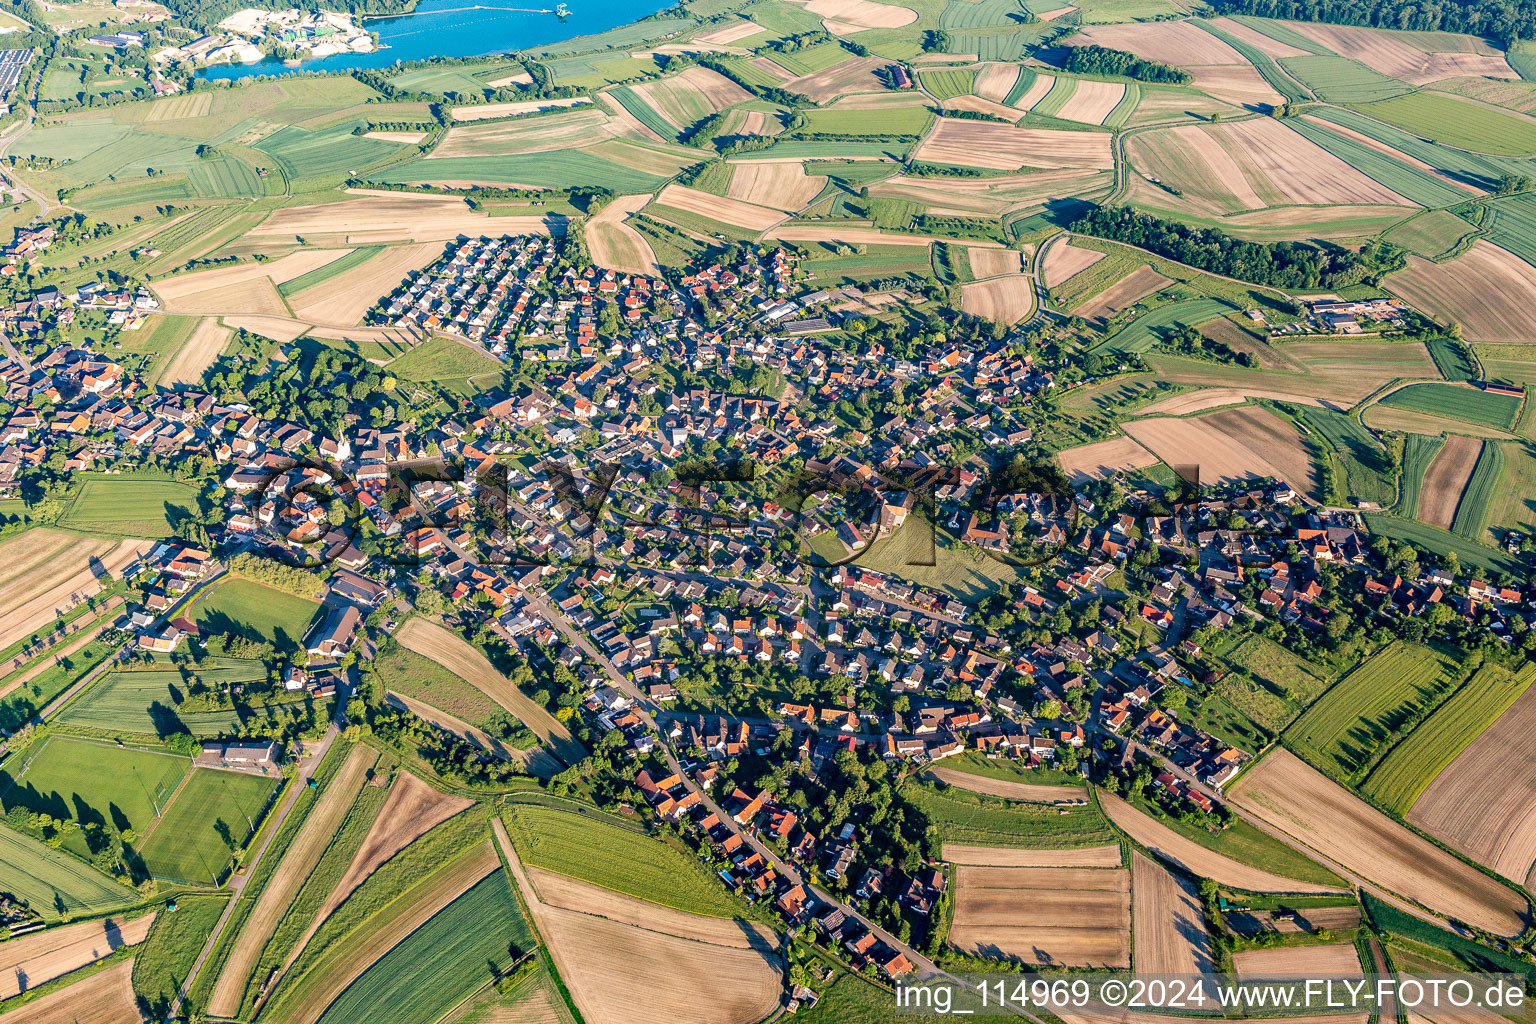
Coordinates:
[1300,801]
[616,245]
[1482,804]
[1007,147]
[392,217]
[995,80]
[1096,461]
[694,94]
[295,867]
[199,352]
[243,288]
[857,74]
[105,997]
[1194,858]
[457,656]
[780,186]
[623,973]
[1445,480]
[1334,960]
[1122,294]
[1062,260]
[35,597]
[488,111]
[1489,291]
[42,956]
[1091,102]
[1004,300]
[1066,916]
[343,300]
[1393,55]
[735,212]
[863,13]
[1231,446]
[1109,856]
[1010,790]
[1169,918]
[1168,42]
[987,262]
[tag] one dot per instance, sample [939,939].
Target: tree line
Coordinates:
[1503,20]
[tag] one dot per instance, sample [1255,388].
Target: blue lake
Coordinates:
[456,28]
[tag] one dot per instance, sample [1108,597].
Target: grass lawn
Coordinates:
[91,783]
[130,506]
[1360,717]
[210,818]
[240,607]
[176,938]
[617,858]
[424,679]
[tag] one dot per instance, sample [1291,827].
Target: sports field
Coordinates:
[211,816]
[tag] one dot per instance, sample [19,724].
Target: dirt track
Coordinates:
[296,865]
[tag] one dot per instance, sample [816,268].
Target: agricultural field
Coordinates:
[240,607]
[1458,402]
[1410,767]
[1437,494]
[164,962]
[1431,235]
[1511,223]
[1269,684]
[1341,80]
[1061,916]
[614,857]
[974,819]
[1511,507]
[1287,794]
[146,701]
[1230,856]
[1471,519]
[210,817]
[129,506]
[1488,291]
[1232,445]
[55,884]
[1169,918]
[460,949]
[1370,477]
[1356,721]
[1457,122]
[1480,804]
[38,958]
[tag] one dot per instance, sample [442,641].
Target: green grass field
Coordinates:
[811,59]
[643,111]
[55,884]
[1474,168]
[424,679]
[1341,80]
[1431,234]
[1514,501]
[1062,90]
[225,178]
[970,818]
[1370,476]
[1144,332]
[1458,123]
[947,83]
[442,359]
[211,817]
[547,170]
[1413,764]
[1512,224]
[1451,359]
[175,940]
[351,261]
[460,949]
[1268,683]
[240,607]
[1419,451]
[1462,403]
[617,858]
[1360,717]
[1438,541]
[129,506]
[311,158]
[90,783]
[889,121]
[1472,511]
[144,700]
[1513,364]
